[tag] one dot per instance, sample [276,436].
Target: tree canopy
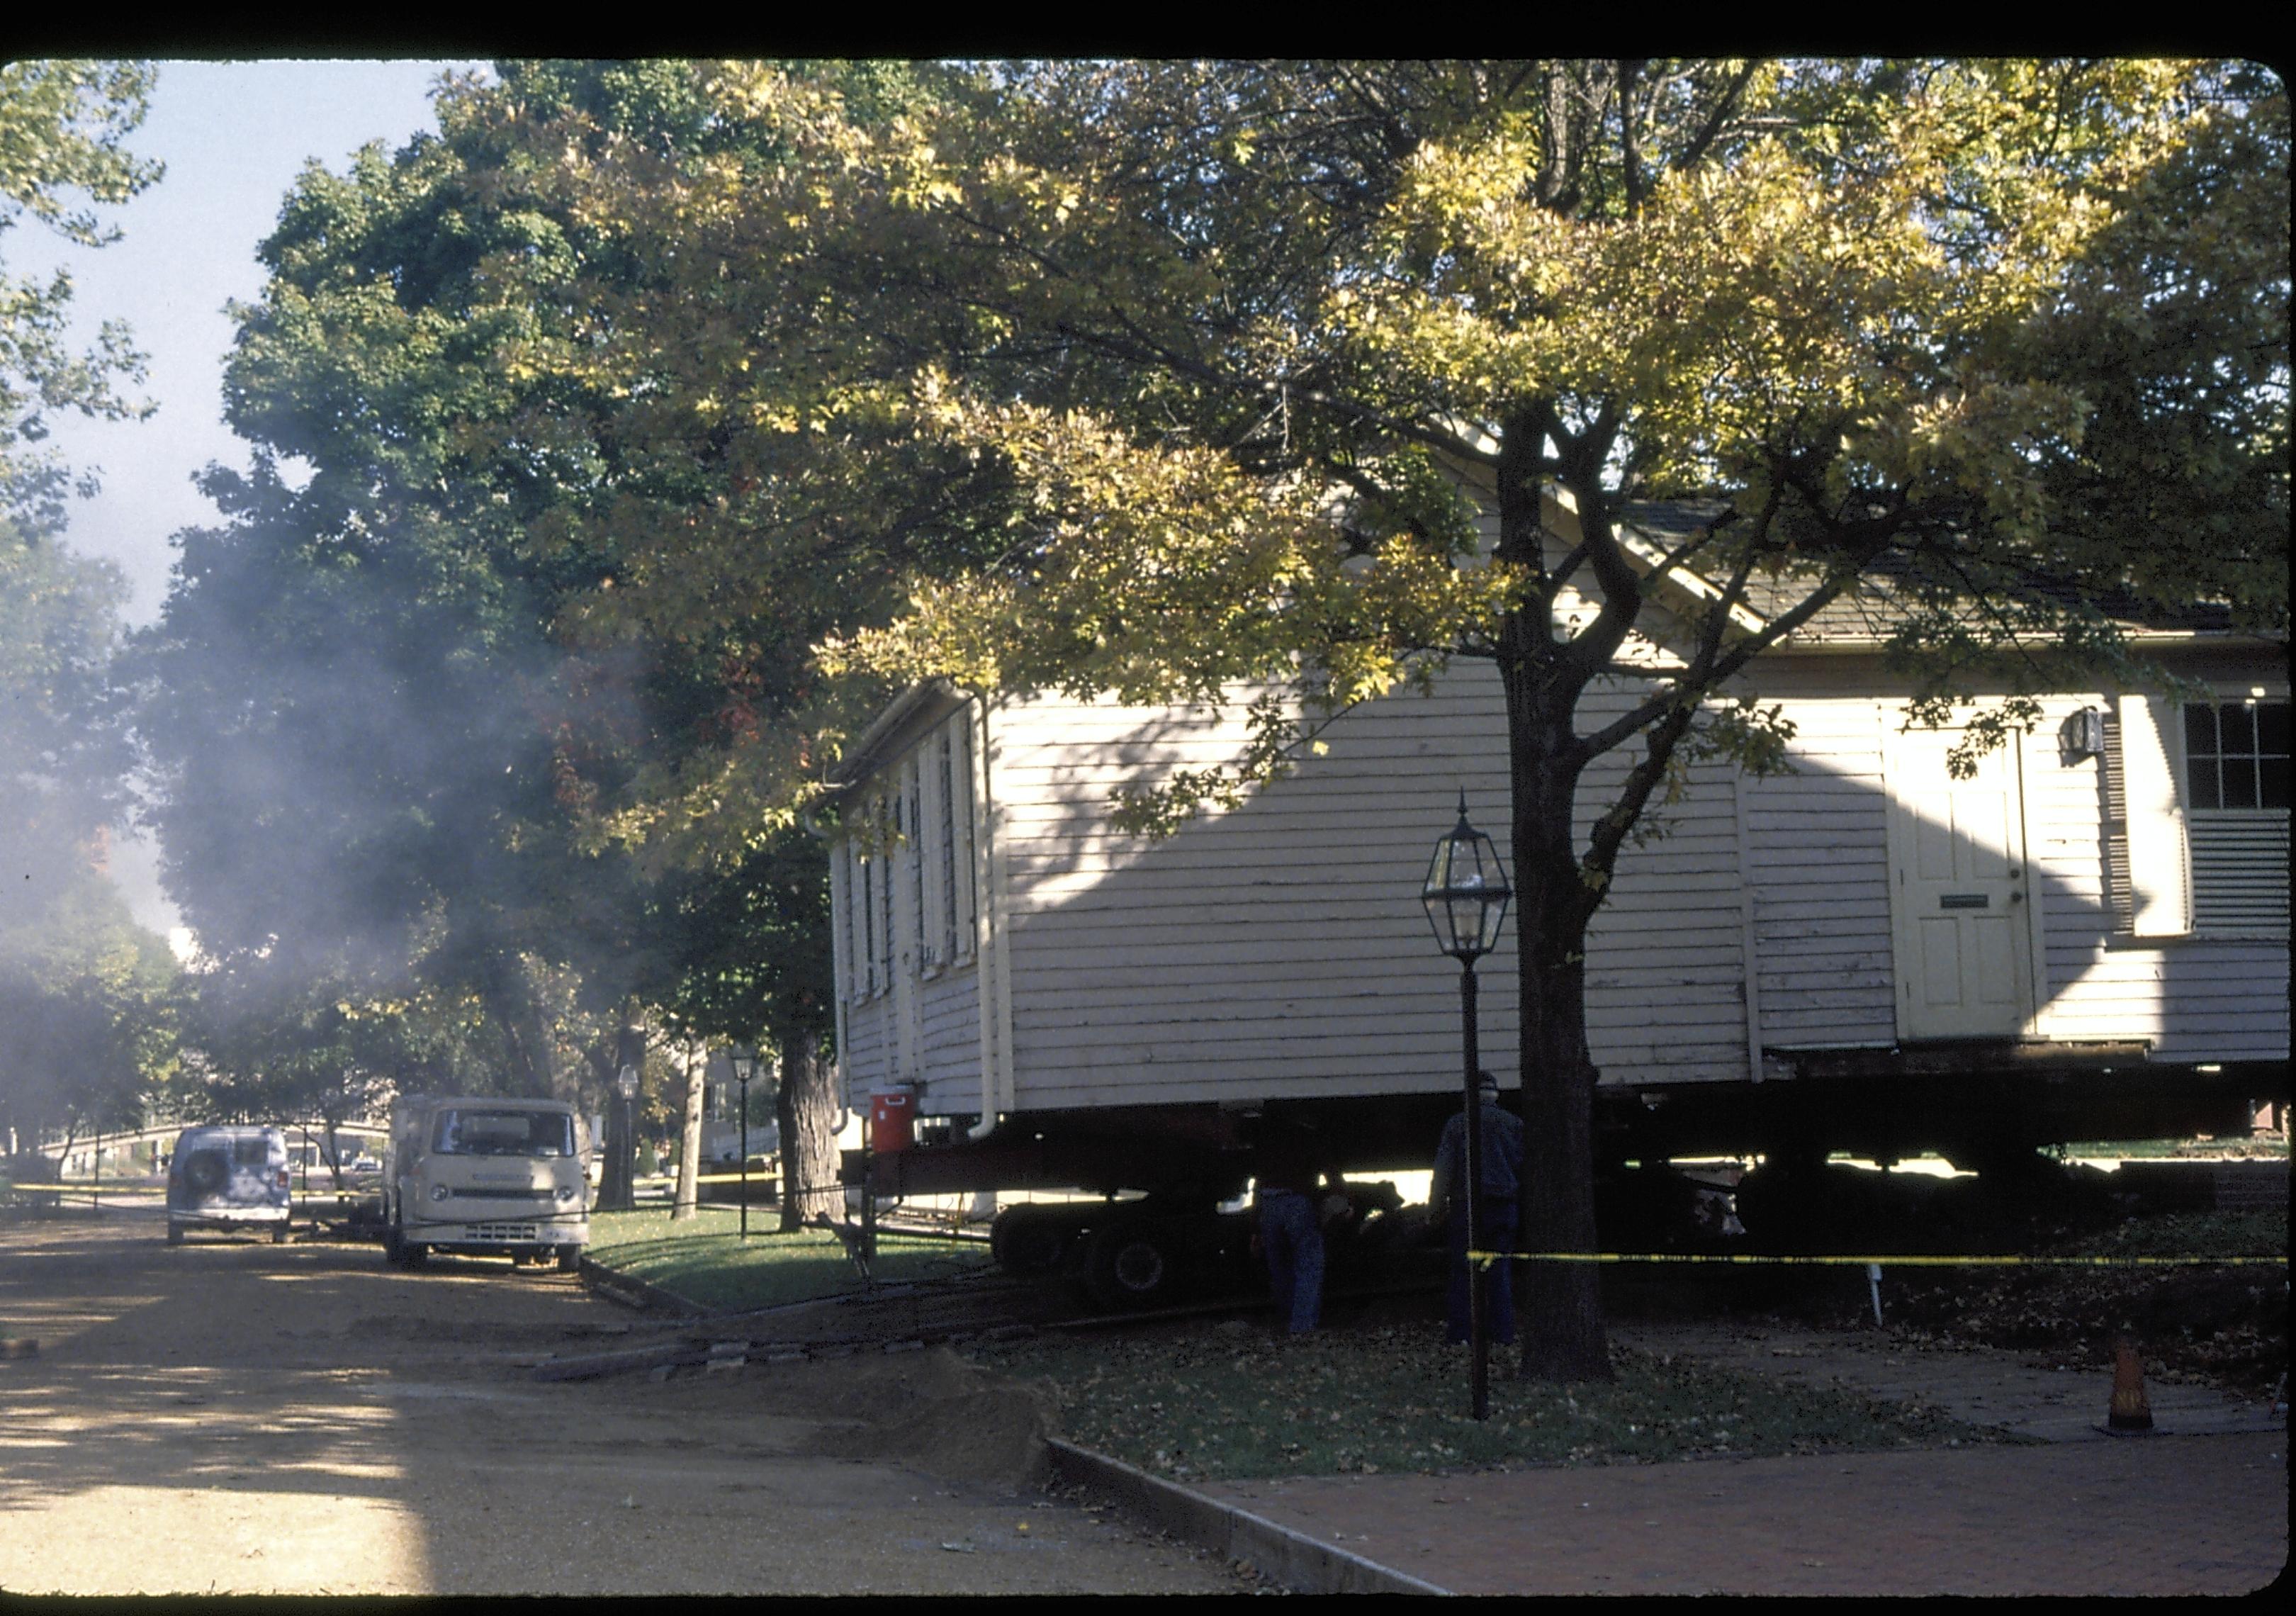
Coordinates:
[84,992]
[62,126]
[1153,378]
[378,745]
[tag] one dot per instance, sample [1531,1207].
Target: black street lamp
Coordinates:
[1466,898]
[625,1091]
[746,1060]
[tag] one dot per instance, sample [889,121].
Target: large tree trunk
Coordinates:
[807,1110]
[694,1060]
[1562,1337]
[1562,1323]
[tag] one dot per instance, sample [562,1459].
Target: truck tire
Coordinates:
[1131,1264]
[279,1233]
[175,1233]
[1027,1240]
[570,1259]
[401,1251]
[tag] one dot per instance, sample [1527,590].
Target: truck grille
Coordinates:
[500,1231]
[479,1194]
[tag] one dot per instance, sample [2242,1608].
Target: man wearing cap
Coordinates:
[1495,1209]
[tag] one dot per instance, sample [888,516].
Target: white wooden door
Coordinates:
[1959,892]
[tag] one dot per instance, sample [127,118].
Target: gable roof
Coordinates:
[1868,617]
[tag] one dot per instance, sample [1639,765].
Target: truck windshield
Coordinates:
[503,1133]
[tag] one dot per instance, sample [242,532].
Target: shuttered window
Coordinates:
[889,827]
[840,921]
[913,855]
[956,835]
[2236,773]
[865,930]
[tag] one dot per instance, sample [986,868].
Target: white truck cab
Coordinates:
[485,1176]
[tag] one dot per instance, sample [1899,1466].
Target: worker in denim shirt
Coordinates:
[1288,1160]
[1497,1210]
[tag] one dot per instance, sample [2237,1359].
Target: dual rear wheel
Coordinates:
[1128,1261]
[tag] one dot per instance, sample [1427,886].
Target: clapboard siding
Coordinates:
[1279,949]
[1301,894]
[865,1060]
[950,1049]
[1817,857]
[1317,878]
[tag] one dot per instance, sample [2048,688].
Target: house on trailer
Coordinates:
[2088,938]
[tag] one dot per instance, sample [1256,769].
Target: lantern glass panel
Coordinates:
[1492,914]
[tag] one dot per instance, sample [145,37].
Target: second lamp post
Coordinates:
[745,1061]
[1466,897]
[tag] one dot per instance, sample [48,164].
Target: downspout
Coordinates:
[987,978]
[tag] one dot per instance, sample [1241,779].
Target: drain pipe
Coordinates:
[986,976]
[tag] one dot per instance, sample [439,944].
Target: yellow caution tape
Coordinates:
[1487,1257]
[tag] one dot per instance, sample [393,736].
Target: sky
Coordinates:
[234,137]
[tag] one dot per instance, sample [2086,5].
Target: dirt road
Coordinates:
[237,1416]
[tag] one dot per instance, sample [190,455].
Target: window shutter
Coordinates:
[2159,874]
[840,922]
[945,787]
[888,825]
[2240,870]
[912,794]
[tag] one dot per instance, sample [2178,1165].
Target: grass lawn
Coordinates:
[1214,1402]
[705,1261]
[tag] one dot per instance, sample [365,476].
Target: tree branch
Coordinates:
[1695,152]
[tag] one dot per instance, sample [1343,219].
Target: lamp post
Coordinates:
[1466,897]
[626,1189]
[746,1060]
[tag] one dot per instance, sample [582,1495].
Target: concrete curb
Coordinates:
[1292,1558]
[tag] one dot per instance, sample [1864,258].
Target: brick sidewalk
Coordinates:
[2166,1514]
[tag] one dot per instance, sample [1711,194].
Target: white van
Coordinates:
[229,1178]
[486,1176]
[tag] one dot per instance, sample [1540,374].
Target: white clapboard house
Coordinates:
[2105,903]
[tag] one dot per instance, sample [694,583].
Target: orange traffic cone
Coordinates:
[2130,1414]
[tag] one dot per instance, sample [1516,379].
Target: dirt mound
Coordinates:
[927,1408]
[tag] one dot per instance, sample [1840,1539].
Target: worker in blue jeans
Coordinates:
[1288,1160]
[1497,1211]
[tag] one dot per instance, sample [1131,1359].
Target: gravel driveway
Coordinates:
[242,1417]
